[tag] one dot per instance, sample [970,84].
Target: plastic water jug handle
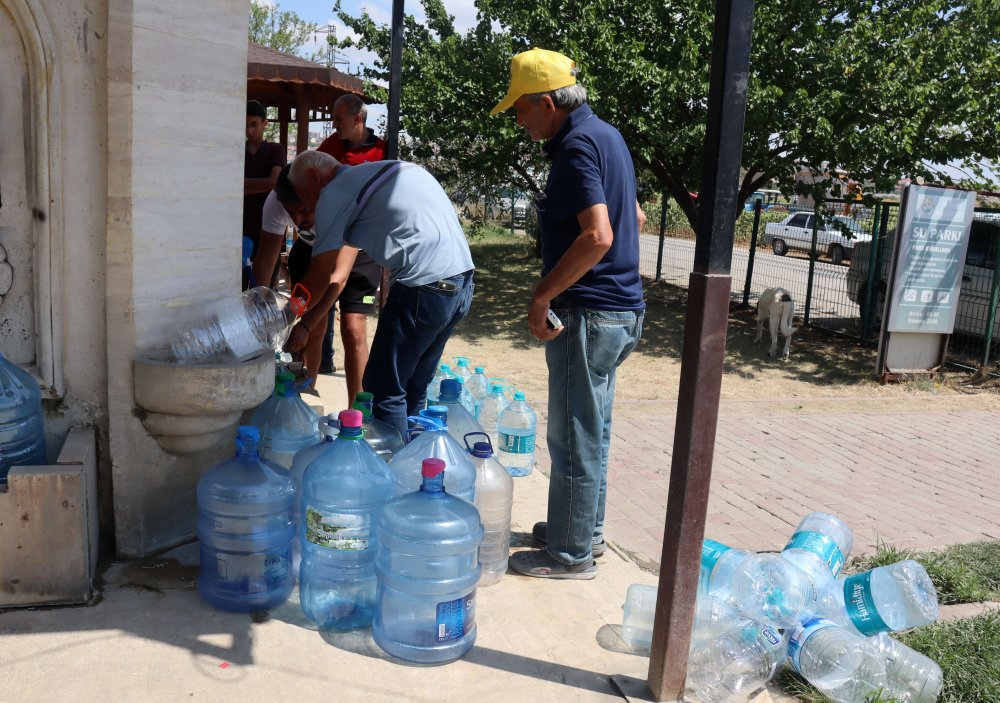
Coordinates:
[477,434]
[422,425]
[298,305]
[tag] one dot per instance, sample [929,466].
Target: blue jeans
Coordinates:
[582,362]
[413,328]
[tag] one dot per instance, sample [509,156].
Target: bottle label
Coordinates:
[860,605]
[276,566]
[516,444]
[711,552]
[820,545]
[343,531]
[456,617]
[802,633]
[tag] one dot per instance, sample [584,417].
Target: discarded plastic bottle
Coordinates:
[888,598]
[478,387]
[489,413]
[381,436]
[434,441]
[240,328]
[22,432]
[735,663]
[712,617]
[460,420]
[761,586]
[246,527]
[329,428]
[494,498]
[427,567]
[819,547]
[516,436]
[845,667]
[286,423]
[343,490]
[443,372]
[911,677]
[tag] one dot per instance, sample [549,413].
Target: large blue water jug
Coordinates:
[246,529]
[434,441]
[460,421]
[427,567]
[22,436]
[343,490]
[329,428]
[286,423]
[381,436]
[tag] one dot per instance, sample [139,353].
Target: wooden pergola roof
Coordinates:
[290,82]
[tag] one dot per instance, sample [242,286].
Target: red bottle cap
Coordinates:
[350,418]
[432,467]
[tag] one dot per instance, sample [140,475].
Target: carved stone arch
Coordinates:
[44,186]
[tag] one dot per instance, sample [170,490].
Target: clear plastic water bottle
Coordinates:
[239,328]
[489,413]
[286,423]
[22,431]
[381,436]
[466,399]
[911,676]
[888,598]
[819,547]
[462,369]
[343,491]
[460,421]
[478,387]
[494,498]
[516,436]
[443,372]
[760,586]
[845,667]
[434,441]
[712,617]
[427,567]
[735,663]
[246,527]
[329,429]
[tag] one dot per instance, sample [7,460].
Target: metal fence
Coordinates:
[835,261]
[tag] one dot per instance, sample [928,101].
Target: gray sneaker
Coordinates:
[540,564]
[540,533]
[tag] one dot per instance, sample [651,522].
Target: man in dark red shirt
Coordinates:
[262,164]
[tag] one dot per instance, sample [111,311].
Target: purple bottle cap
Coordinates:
[431,467]
[350,418]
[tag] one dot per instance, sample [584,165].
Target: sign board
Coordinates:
[925,279]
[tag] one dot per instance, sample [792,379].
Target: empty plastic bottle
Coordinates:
[462,367]
[427,567]
[494,498]
[246,527]
[443,372]
[516,436]
[712,617]
[478,387]
[329,428]
[239,328]
[343,490]
[842,665]
[489,413]
[22,432]
[465,398]
[760,586]
[911,677]
[381,436]
[888,598]
[286,423]
[819,547]
[736,662]
[460,420]
[434,441]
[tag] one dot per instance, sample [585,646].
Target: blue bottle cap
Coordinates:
[248,433]
[483,450]
[519,396]
[450,389]
[437,412]
[480,369]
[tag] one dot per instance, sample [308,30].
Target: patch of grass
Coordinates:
[793,684]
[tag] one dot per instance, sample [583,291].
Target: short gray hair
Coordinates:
[318,160]
[354,104]
[568,98]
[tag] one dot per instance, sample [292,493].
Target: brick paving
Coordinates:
[916,479]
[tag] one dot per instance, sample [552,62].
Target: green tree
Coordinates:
[279,30]
[872,89]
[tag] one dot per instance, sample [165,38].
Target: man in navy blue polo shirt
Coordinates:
[589,222]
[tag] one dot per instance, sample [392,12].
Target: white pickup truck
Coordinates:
[835,237]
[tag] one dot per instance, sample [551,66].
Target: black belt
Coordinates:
[448,285]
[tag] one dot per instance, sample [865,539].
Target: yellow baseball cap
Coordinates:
[536,71]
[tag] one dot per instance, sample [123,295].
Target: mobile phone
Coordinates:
[552,320]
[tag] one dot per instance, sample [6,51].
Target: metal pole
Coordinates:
[663,234]
[395,82]
[991,318]
[866,294]
[757,207]
[812,266]
[704,351]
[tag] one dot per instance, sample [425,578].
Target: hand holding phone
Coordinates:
[552,320]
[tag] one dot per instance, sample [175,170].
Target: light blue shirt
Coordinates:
[408,224]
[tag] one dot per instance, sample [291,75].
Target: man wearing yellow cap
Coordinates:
[589,231]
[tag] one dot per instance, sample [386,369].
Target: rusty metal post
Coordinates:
[704,351]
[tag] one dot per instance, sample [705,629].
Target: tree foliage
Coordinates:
[875,90]
[279,30]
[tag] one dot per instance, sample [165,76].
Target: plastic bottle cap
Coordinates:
[497,388]
[248,433]
[432,467]
[438,412]
[364,397]
[285,377]
[483,450]
[450,388]
[463,362]
[480,369]
[519,396]
[351,418]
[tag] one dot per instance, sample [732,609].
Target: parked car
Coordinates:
[836,237]
[977,278]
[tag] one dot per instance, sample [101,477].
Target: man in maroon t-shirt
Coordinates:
[262,164]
